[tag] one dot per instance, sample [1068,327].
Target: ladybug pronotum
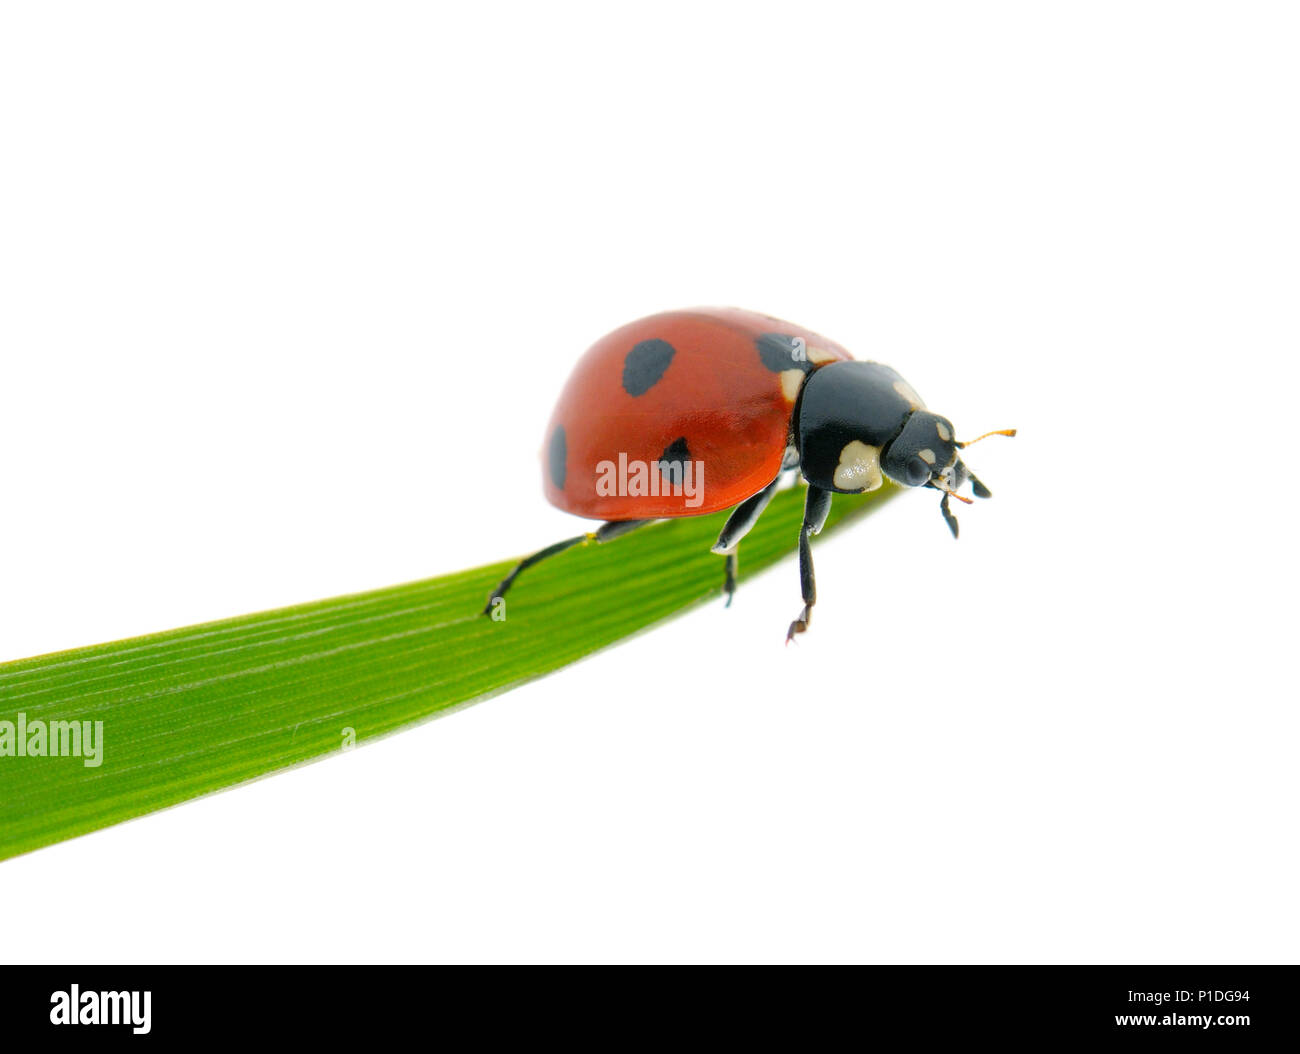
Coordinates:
[691,412]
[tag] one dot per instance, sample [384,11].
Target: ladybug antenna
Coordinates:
[938,484]
[998,432]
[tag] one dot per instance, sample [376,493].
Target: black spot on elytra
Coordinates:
[645,365]
[672,462]
[557,456]
[780,352]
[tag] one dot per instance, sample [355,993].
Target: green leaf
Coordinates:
[193,710]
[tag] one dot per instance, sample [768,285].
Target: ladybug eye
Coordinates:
[918,471]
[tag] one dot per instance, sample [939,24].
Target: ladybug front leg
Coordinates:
[739,523]
[948,517]
[816,507]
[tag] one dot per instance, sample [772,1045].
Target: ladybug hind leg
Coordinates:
[604,533]
[739,523]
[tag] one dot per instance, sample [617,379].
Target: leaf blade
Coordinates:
[190,711]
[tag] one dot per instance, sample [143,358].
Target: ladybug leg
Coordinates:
[526,563]
[948,517]
[817,505]
[604,533]
[743,517]
[739,523]
[729,578]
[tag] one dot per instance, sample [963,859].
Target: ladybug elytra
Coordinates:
[691,412]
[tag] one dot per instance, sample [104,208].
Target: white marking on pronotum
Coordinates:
[942,429]
[926,455]
[859,467]
[909,393]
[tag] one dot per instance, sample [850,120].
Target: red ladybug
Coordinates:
[690,412]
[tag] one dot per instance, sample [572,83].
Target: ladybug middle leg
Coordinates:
[817,506]
[739,523]
[604,533]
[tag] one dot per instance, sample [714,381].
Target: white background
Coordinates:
[286,289]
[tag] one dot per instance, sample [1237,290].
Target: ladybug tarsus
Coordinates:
[799,625]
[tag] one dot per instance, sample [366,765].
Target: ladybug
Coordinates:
[691,412]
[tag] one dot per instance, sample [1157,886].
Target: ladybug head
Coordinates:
[923,451]
[925,454]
